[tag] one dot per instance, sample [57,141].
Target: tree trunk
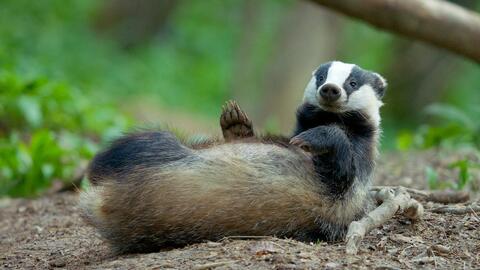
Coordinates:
[437,22]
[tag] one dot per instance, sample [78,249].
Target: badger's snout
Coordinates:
[330,92]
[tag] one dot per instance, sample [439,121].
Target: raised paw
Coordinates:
[235,122]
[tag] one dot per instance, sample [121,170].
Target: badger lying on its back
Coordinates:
[149,190]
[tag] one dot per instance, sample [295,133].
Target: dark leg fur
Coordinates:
[332,155]
[354,123]
[350,137]
[235,122]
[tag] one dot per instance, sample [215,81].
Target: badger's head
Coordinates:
[341,88]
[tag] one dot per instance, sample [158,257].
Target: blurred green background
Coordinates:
[74,74]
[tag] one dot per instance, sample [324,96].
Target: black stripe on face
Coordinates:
[355,80]
[359,77]
[321,74]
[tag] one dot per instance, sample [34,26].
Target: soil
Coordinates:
[49,233]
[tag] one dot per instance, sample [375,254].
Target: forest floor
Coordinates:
[49,233]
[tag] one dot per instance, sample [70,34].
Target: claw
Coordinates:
[235,122]
[301,144]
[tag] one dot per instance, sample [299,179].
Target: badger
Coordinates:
[150,190]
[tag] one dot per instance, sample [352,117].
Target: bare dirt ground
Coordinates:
[48,233]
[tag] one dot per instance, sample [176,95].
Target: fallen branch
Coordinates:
[440,23]
[246,237]
[393,201]
[447,196]
[472,208]
[213,265]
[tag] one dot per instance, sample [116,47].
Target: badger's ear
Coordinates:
[380,85]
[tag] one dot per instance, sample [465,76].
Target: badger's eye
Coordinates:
[320,78]
[353,84]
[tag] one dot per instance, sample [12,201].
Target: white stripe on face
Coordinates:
[366,101]
[363,99]
[310,94]
[338,73]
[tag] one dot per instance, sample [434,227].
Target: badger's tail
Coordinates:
[129,162]
[135,152]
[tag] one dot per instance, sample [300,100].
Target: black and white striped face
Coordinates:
[340,87]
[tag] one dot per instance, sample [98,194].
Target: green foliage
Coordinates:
[464,167]
[405,140]
[28,167]
[47,129]
[190,68]
[453,128]
[432,178]
[464,177]
[372,47]
[190,65]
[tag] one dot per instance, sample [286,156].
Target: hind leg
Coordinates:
[235,122]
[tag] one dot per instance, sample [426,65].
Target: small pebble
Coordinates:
[332,265]
[304,255]
[441,248]
[213,244]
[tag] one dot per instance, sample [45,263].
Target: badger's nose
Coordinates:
[330,92]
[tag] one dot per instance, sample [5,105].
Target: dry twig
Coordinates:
[247,237]
[393,201]
[213,265]
[457,209]
[447,196]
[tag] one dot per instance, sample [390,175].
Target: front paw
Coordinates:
[309,141]
[300,142]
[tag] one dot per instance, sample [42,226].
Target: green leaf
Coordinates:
[432,178]
[404,140]
[85,184]
[48,170]
[31,110]
[463,174]
[451,114]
